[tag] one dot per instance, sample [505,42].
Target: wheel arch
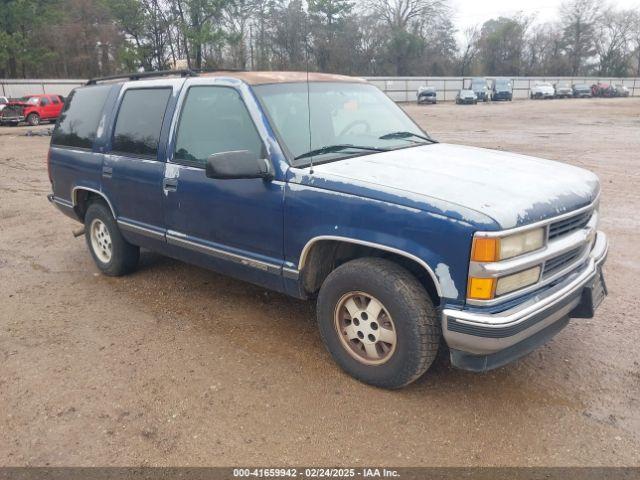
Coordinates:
[322,254]
[82,196]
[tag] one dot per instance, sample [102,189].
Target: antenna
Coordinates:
[306,42]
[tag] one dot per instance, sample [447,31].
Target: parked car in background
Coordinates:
[466,97]
[32,109]
[563,90]
[581,90]
[3,102]
[426,95]
[602,89]
[621,91]
[501,89]
[480,88]
[542,90]
[404,243]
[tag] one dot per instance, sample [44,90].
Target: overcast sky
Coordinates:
[472,12]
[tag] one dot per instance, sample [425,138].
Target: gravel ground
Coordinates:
[176,365]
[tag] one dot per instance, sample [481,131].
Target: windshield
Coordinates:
[503,83]
[341,114]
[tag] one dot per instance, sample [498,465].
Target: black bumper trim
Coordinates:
[483,363]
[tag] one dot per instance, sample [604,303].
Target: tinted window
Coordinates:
[55,99]
[79,120]
[44,101]
[214,120]
[139,121]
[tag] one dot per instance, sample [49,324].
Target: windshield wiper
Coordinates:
[405,135]
[338,148]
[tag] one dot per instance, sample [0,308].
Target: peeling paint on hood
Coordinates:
[511,189]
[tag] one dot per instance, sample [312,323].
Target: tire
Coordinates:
[407,312]
[33,119]
[113,255]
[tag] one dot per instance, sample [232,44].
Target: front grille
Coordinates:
[11,112]
[568,225]
[556,264]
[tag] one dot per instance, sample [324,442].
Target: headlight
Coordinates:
[517,281]
[493,249]
[520,243]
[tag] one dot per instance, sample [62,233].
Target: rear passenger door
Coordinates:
[234,225]
[132,172]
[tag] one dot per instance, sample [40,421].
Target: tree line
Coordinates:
[87,38]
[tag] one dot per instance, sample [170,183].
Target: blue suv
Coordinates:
[319,186]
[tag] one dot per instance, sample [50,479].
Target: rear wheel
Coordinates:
[33,119]
[112,254]
[378,322]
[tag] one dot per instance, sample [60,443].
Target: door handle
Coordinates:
[107,172]
[170,184]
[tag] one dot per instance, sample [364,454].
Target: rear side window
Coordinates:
[137,129]
[79,120]
[55,99]
[44,101]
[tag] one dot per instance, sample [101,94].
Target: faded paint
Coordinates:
[509,188]
[447,285]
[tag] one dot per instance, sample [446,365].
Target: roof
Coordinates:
[260,78]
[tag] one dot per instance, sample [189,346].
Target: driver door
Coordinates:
[234,226]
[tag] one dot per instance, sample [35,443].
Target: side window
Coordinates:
[55,99]
[78,123]
[214,120]
[44,101]
[137,129]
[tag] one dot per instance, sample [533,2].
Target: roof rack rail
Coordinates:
[139,75]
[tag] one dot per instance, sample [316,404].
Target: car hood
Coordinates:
[545,89]
[487,188]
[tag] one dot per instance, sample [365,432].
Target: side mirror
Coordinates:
[238,164]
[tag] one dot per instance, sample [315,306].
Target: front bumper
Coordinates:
[9,120]
[482,341]
[502,95]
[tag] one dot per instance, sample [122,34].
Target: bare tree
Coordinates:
[401,13]
[469,49]
[615,30]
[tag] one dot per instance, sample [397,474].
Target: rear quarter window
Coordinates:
[79,120]
[137,129]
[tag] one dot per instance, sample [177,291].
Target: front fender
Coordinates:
[440,244]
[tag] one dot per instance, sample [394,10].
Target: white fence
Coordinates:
[403,89]
[20,88]
[400,89]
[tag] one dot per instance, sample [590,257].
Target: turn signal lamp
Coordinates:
[481,288]
[485,249]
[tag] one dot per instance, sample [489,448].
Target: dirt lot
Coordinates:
[176,365]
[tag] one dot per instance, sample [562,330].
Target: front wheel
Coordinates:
[378,322]
[33,119]
[112,254]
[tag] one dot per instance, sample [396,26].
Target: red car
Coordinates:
[33,109]
[602,90]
